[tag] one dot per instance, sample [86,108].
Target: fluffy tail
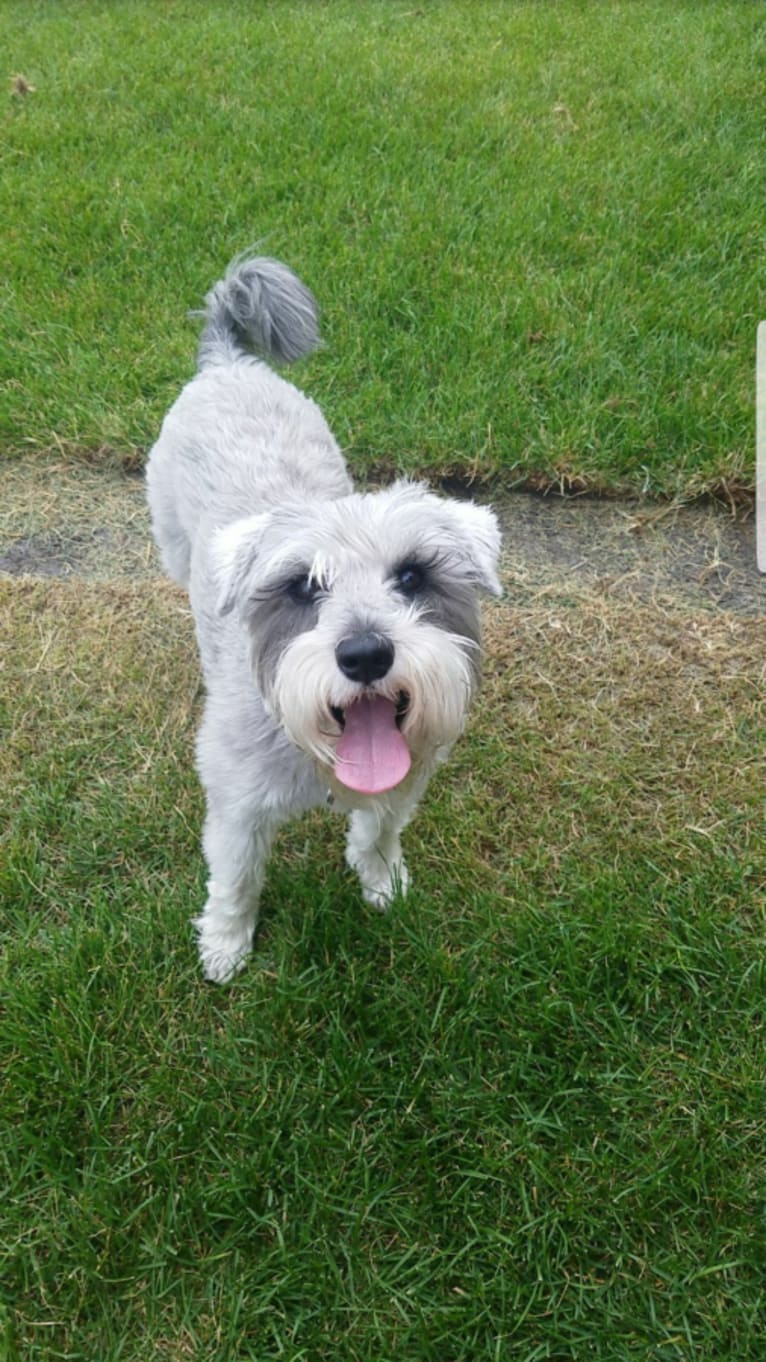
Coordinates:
[260,305]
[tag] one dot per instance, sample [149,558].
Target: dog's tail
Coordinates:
[259,305]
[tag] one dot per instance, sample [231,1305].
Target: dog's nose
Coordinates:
[365,657]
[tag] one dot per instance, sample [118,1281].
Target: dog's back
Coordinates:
[239,438]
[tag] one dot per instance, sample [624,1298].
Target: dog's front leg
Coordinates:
[374,848]
[237,842]
[374,851]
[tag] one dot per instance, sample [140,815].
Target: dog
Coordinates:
[338,631]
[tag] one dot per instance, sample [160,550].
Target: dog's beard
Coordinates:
[429,688]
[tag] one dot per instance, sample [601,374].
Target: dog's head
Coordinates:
[364,623]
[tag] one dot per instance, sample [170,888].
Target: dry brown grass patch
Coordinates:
[607,725]
[603,727]
[112,669]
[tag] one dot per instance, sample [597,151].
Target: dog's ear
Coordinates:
[235,553]
[479,533]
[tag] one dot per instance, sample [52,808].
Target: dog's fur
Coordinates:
[289,572]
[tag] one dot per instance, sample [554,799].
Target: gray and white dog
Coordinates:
[338,630]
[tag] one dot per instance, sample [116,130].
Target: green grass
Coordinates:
[521,1116]
[536,230]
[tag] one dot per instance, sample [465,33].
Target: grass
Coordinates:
[520,1116]
[535,229]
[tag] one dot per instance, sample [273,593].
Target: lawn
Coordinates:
[535,229]
[523,1115]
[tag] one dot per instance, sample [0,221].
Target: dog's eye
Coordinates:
[303,590]
[410,579]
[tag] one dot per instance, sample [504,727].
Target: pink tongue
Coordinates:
[371,755]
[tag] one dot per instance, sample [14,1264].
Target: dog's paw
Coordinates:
[223,954]
[380,890]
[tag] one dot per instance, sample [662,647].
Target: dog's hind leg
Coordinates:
[237,843]
[169,535]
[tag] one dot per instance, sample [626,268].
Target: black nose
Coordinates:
[365,657]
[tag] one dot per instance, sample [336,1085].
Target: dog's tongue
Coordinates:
[372,755]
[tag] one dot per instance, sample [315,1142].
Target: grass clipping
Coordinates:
[601,728]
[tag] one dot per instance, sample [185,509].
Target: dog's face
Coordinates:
[364,623]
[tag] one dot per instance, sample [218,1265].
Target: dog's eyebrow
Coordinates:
[290,570]
[427,563]
[322,571]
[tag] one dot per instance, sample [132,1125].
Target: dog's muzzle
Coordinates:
[371,755]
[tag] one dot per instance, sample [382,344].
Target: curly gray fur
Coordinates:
[259,305]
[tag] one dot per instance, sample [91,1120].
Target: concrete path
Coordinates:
[67,518]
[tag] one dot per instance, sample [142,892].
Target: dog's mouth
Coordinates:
[372,755]
[402,706]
